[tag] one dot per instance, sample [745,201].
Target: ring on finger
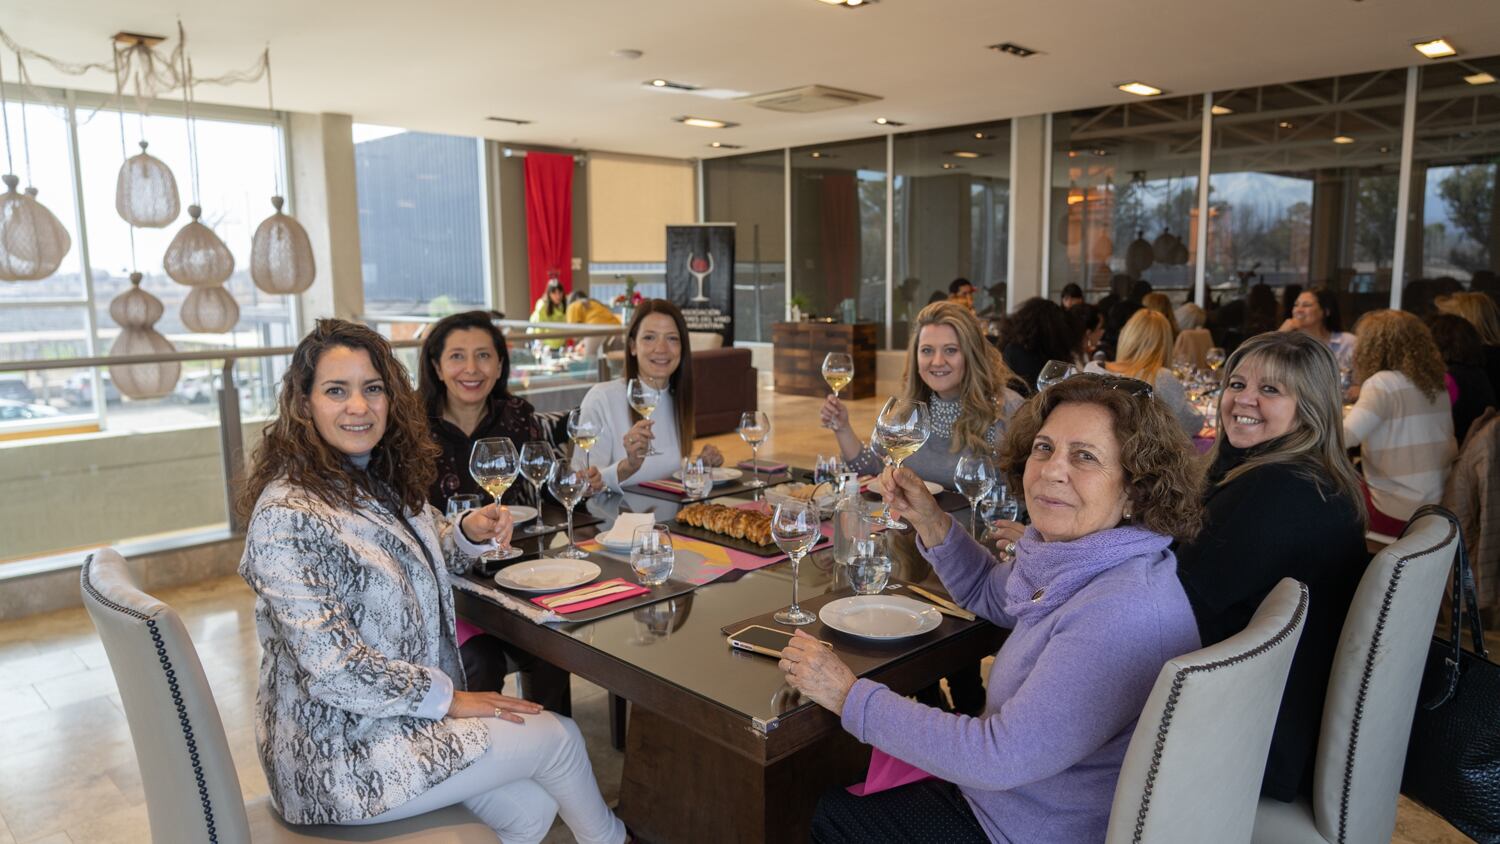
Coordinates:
[497,712]
[1010,549]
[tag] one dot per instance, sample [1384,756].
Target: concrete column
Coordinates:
[1029,183]
[327,205]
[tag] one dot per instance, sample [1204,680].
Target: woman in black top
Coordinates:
[1463,354]
[1282,501]
[1037,332]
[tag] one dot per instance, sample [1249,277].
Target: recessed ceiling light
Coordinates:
[627,54]
[705,122]
[1075,198]
[1140,89]
[1342,139]
[1220,111]
[721,145]
[1384,148]
[979,136]
[1285,124]
[1100,152]
[885,121]
[1072,153]
[1480,78]
[848,4]
[511,120]
[667,83]
[966,153]
[950,166]
[1437,48]
[1013,49]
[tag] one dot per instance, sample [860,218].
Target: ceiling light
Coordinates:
[1285,124]
[966,153]
[1480,78]
[1384,148]
[1075,198]
[1342,139]
[950,166]
[1072,153]
[1437,48]
[721,145]
[659,83]
[885,121]
[1100,152]
[1220,111]
[848,4]
[667,83]
[1140,89]
[979,136]
[512,120]
[705,122]
[627,54]
[1013,49]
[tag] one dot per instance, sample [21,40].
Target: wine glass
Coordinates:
[998,505]
[1053,372]
[643,399]
[975,476]
[838,371]
[537,464]
[1214,358]
[651,554]
[697,479]
[495,465]
[796,528]
[583,431]
[568,486]
[901,429]
[754,428]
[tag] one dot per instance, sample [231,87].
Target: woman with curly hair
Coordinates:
[361,716]
[1403,420]
[1037,332]
[1280,484]
[965,384]
[1091,595]
[1145,352]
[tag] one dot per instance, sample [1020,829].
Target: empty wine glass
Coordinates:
[697,479]
[537,464]
[998,505]
[1214,358]
[754,428]
[651,554]
[827,469]
[1053,372]
[796,527]
[838,371]
[568,485]
[975,476]
[494,465]
[643,399]
[901,429]
[583,431]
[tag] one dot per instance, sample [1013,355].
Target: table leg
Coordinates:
[617,717]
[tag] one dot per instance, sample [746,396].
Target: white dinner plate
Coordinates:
[546,574]
[722,474]
[879,490]
[521,514]
[882,617]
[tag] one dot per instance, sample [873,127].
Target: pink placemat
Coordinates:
[717,560]
[564,609]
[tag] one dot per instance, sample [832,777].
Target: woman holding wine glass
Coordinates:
[351,569]
[962,380]
[644,423]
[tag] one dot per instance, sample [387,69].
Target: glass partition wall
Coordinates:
[750,191]
[838,206]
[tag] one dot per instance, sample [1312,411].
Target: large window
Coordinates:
[421,221]
[750,191]
[838,230]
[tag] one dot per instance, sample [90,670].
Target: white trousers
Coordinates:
[529,774]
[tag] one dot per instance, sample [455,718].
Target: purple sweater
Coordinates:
[1094,621]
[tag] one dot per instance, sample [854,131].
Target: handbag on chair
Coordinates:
[1453,759]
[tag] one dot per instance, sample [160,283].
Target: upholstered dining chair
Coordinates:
[192,791]
[1185,777]
[1372,695]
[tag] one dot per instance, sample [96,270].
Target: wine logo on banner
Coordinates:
[700,276]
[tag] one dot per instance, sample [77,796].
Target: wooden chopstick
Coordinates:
[943,604]
[583,594]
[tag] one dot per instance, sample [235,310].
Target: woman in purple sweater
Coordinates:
[1091,592]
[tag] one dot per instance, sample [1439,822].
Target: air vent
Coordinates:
[809,99]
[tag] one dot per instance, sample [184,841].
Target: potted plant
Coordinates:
[625,302]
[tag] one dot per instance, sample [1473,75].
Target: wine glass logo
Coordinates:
[700,266]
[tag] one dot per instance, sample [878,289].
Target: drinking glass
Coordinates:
[998,505]
[583,431]
[838,371]
[459,503]
[901,429]
[796,528]
[1214,358]
[537,465]
[754,428]
[697,479]
[643,399]
[494,465]
[651,554]
[568,485]
[1053,372]
[827,470]
[975,476]
[869,571]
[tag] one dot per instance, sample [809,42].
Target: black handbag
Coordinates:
[1453,759]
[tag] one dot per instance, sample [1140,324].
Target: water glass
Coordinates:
[697,479]
[852,524]
[869,572]
[651,554]
[459,503]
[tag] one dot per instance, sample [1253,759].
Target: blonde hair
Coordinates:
[1479,309]
[1307,371]
[1160,303]
[1190,316]
[1145,345]
[1397,340]
[981,397]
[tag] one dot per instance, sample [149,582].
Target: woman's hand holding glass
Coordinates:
[812,669]
[482,524]
[907,494]
[637,442]
[834,415]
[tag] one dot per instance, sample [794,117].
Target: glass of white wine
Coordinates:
[975,476]
[1214,358]
[583,431]
[901,429]
[568,486]
[796,527]
[495,465]
[643,399]
[754,427]
[537,464]
[838,371]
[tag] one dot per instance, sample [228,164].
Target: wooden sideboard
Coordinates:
[801,346]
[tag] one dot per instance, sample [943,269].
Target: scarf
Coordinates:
[1047,574]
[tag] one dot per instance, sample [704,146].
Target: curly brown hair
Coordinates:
[1397,340]
[1162,478]
[404,462]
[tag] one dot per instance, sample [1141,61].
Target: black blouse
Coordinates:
[507,416]
[1270,523]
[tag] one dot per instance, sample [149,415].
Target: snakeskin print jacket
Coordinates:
[353,620]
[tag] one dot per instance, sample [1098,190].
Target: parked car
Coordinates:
[12,410]
[200,387]
[78,390]
[15,388]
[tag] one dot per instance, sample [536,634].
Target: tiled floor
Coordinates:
[67,768]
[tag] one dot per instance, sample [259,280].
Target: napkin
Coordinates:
[765,468]
[666,486]
[504,600]
[590,603]
[626,523]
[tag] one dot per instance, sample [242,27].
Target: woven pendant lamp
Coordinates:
[136,312]
[33,242]
[281,257]
[197,257]
[209,310]
[146,191]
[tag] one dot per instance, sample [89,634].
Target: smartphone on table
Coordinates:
[762,640]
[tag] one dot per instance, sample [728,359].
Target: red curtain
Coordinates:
[549,220]
[840,235]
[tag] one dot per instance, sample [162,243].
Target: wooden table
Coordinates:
[801,346]
[719,748]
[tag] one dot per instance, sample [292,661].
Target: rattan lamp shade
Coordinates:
[136,312]
[196,256]
[146,191]
[281,257]
[33,242]
[210,310]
